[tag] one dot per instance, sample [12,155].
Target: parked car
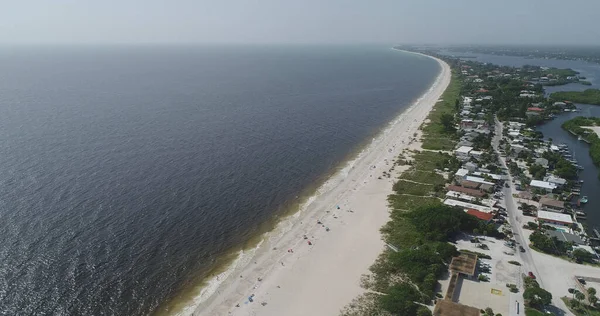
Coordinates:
[521,249]
[581,280]
[531,275]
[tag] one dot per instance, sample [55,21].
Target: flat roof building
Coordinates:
[543,185]
[555,218]
[467,206]
[471,192]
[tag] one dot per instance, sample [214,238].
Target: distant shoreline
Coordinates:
[347,188]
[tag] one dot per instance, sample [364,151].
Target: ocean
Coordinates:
[129,173]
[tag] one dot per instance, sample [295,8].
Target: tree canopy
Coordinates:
[439,222]
[537,296]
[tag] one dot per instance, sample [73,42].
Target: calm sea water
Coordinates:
[125,172]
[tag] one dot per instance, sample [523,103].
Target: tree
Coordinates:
[591,291]
[579,296]
[447,121]
[582,255]
[401,299]
[423,311]
[592,299]
[489,312]
[537,296]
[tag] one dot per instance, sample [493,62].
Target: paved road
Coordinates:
[515,219]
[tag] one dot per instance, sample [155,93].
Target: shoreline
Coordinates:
[354,187]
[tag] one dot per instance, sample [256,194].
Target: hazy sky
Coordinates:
[301,21]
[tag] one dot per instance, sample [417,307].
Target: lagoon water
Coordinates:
[127,172]
[552,129]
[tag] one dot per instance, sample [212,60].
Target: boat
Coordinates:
[584,199]
[579,138]
[579,167]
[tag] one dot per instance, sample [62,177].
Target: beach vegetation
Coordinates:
[439,132]
[421,176]
[432,160]
[407,202]
[413,188]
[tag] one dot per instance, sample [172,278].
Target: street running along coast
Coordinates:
[311,263]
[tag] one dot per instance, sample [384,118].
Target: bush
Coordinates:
[517,263]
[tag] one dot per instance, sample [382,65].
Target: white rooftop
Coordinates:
[466,205]
[555,180]
[462,172]
[464,149]
[478,180]
[493,176]
[553,216]
[542,184]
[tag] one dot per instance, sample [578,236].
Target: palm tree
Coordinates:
[579,296]
[591,291]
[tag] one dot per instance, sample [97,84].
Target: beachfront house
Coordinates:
[542,185]
[463,152]
[482,184]
[486,217]
[467,206]
[472,192]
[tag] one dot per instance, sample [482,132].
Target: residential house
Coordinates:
[472,192]
[559,182]
[555,218]
[486,217]
[461,174]
[467,206]
[543,185]
[463,152]
[542,162]
[551,205]
[471,166]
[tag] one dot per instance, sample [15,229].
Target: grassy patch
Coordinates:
[410,202]
[405,187]
[439,143]
[434,135]
[427,177]
[431,160]
[533,312]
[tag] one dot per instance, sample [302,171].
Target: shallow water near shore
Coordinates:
[129,174]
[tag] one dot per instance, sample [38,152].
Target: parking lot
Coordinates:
[492,293]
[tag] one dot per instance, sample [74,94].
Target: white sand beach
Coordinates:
[320,279]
